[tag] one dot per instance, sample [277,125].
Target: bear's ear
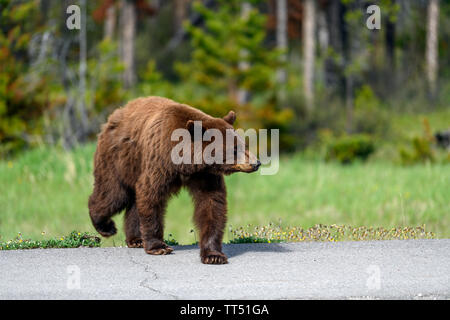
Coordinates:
[230,117]
[190,126]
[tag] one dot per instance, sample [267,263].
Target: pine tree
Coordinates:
[218,47]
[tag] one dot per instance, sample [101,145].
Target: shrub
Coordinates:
[74,240]
[349,148]
[22,97]
[422,148]
[370,116]
[421,152]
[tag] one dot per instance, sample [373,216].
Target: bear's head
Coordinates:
[222,149]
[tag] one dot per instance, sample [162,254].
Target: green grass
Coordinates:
[46,190]
[406,126]
[74,240]
[324,233]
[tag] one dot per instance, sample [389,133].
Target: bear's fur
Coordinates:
[133,170]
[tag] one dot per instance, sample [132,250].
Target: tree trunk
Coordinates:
[282,39]
[180,14]
[349,103]
[333,71]
[45,5]
[348,44]
[242,94]
[69,122]
[432,47]
[309,25]
[110,22]
[323,42]
[390,44]
[83,127]
[323,32]
[127,39]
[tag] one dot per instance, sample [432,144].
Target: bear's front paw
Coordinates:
[214,257]
[157,247]
[106,228]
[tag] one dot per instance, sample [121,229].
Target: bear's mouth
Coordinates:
[246,167]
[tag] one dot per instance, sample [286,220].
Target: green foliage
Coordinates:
[74,240]
[103,92]
[370,116]
[104,77]
[153,84]
[421,152]
[228,56]
[250,239]
[22,98]
[422,149]
[349,148]
[356,61]
[229,39]
[171,241]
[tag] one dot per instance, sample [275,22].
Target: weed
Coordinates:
[73,240]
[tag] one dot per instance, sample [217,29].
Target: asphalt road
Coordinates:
[410,269]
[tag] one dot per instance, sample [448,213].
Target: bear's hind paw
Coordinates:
[160,251]
[157,247]
[214,257]
[135,243]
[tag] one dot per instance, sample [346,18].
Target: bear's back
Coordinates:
[153,108]
[131,118]
[148,118]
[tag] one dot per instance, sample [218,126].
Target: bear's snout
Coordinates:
[256,165]
[247,167]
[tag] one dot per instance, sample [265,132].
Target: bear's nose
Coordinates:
[256,165]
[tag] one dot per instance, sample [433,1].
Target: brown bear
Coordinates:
[134,171]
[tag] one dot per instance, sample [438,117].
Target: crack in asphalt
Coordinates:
[154,276]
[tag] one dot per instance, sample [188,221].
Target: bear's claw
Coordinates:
[214,257]
[135,243]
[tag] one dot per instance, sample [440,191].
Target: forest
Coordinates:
[313,69]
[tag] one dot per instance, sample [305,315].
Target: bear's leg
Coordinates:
[209,194]
[132,232]
[151,204]
[108,198]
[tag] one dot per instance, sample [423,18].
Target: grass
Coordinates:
[73,240]
[46,190]
[265,234]
[406,126]
[324,233]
